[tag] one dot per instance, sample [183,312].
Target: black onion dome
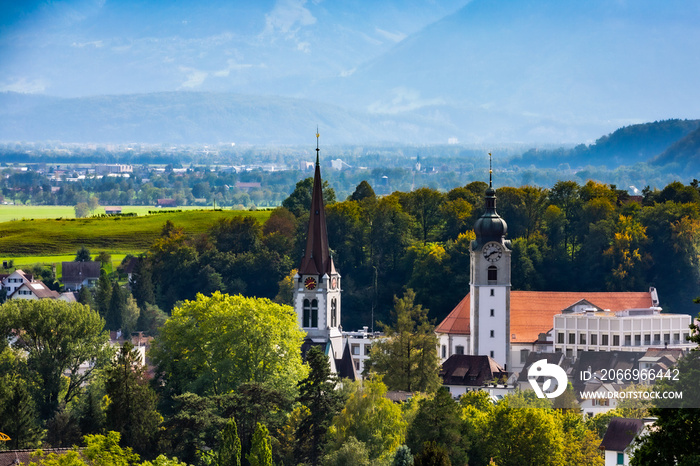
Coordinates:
[490,226]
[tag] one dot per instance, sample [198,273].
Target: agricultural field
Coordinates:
[19,212]
[40,240]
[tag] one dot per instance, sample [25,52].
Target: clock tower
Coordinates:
[317,282]
[489,284]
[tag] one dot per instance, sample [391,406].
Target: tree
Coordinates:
[352,452]
[523,436]
[85,297]
[58,338]
[363,191]
[105,450]
[117,303]
[103,293]
[18,414]
[438,422]
[93,203]
[131,409]
[317,392]
[402,457]
[81,210]
[83,255]
[229,453]
[104,257]
[372,419]
[432,454]
[299,202]
[407,357]
[424,205]
[261,451]
[214,344]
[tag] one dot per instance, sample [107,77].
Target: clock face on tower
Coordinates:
[334,283]
[492,252]
[310,283]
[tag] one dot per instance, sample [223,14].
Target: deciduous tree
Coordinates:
[215,343]
[58,338]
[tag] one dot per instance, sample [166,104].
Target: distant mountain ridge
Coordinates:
[659,142]
[199,118]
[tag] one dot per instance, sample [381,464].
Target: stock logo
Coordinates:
[550,372]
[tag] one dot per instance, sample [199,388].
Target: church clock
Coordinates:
[492,252]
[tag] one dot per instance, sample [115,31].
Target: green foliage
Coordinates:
[106,451]
[18,414]
[214,344]
[261,451]
[83,255]
[432,455]
[131,408]
[370,418]
[299,202]
[317,392]
[229,452]
[81,210]
[363,191]
[523,436]
[58,338]
[407,357]
[352,452]
[438,424]
[402,457]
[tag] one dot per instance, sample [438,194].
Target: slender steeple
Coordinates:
[317,259]
[490,226]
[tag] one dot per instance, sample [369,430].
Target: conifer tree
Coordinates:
[229,453]
[261,451]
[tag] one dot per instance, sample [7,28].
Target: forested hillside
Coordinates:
[569,237]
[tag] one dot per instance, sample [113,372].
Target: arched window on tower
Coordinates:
[334,312]
[492,274]
[314,313]
[306,319]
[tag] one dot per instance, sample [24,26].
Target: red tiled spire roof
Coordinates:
[317,259]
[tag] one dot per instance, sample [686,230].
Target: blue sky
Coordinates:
[516,70]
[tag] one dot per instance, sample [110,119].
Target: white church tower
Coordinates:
[317,283]
[489,285]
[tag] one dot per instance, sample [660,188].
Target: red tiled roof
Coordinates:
[458,320]
[532,312]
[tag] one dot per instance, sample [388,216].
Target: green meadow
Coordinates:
[19,212]
[51,240]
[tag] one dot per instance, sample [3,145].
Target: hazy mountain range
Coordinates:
[413,72]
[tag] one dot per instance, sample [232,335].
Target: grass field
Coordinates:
[19,212]
[41,238]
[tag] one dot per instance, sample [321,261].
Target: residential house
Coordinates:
[34,290]
[618,442]
[76,275]
[463,372]
[14,280]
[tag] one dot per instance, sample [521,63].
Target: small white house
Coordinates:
[618,442]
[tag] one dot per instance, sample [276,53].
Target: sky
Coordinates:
[92,47]
[517,70]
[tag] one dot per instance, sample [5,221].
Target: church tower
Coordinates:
[489,285]
[317,283]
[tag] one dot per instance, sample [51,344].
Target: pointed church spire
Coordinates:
[317,259]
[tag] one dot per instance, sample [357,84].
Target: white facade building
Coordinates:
[628,330]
